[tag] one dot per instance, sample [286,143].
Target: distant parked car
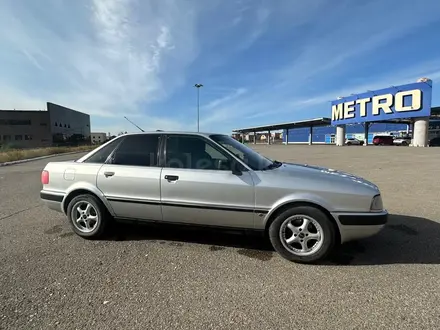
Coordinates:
[434,142]
[382,140]
[402,141]
[353,141]
[213,180]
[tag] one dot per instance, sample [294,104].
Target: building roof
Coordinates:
[323,121]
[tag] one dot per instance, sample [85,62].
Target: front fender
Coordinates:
[82,185]
[296,198]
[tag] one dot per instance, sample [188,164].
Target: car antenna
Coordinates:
[134,124]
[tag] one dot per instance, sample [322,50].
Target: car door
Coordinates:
[130,179]
[198,185]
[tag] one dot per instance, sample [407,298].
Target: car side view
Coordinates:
[213,180]
[354,141]
[434,142]
[383,140]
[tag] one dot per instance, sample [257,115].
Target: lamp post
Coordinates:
[198,105]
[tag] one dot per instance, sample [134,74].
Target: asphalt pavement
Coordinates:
[146,277]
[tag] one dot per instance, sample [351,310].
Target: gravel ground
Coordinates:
[161,277]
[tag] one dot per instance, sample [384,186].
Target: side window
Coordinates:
[214,153]
[101,156]
[234,150]
[137,150]
[193,152]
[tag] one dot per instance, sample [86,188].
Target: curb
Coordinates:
[21,161]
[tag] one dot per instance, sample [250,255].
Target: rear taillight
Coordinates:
[45,177]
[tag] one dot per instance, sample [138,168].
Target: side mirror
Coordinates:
[237,168]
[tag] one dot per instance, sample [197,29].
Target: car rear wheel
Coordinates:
[302,234]
[87,216]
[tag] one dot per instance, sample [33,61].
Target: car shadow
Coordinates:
[404,240]
[216,239]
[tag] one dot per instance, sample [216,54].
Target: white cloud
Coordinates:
[338,42]
[222,100]
[112,58]
[252,108]
[106,58]
[346,34]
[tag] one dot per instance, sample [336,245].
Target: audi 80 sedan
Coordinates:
[213,180]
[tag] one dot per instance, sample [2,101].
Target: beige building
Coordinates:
[57,125]
[98,138]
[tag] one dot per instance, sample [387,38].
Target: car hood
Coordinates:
[323,172]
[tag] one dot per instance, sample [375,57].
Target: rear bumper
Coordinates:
[52,200]
[353,226]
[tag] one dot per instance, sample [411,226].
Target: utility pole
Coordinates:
[198,105]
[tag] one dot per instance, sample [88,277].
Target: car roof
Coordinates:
[207,134]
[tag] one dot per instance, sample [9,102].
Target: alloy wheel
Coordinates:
[84,216]
[301,235]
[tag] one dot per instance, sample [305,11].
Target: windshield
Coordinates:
[250,157]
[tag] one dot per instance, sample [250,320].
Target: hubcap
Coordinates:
[301,235]
[84,216]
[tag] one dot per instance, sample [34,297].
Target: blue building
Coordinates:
[326,134]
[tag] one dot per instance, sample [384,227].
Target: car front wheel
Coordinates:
[302,234]
[87,216]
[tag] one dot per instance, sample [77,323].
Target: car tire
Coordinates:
[92,221]
[280,233]
[404,143]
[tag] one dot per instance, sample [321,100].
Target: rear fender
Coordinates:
[81,185]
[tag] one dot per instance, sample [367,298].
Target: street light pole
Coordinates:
[198,105]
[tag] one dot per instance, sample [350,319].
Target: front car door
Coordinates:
[198,185]
[130,179]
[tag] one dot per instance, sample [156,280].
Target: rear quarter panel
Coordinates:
[66,177]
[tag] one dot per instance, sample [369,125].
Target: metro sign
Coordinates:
[406,101]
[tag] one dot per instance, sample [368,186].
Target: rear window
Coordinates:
[101,156]
[137,150]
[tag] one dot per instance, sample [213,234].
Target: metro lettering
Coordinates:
[386,103]
[385,106]
[349,109]
[363,106]
[338,111]
[416,103]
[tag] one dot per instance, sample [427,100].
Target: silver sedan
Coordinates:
[213,180]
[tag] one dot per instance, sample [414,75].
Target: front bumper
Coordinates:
[353,226]
[52,200]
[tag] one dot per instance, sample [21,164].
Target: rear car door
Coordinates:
[198,185]
[130,179]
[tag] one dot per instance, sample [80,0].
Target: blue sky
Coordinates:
[260,61]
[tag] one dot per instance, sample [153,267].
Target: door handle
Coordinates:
[107,174]
[171,177]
